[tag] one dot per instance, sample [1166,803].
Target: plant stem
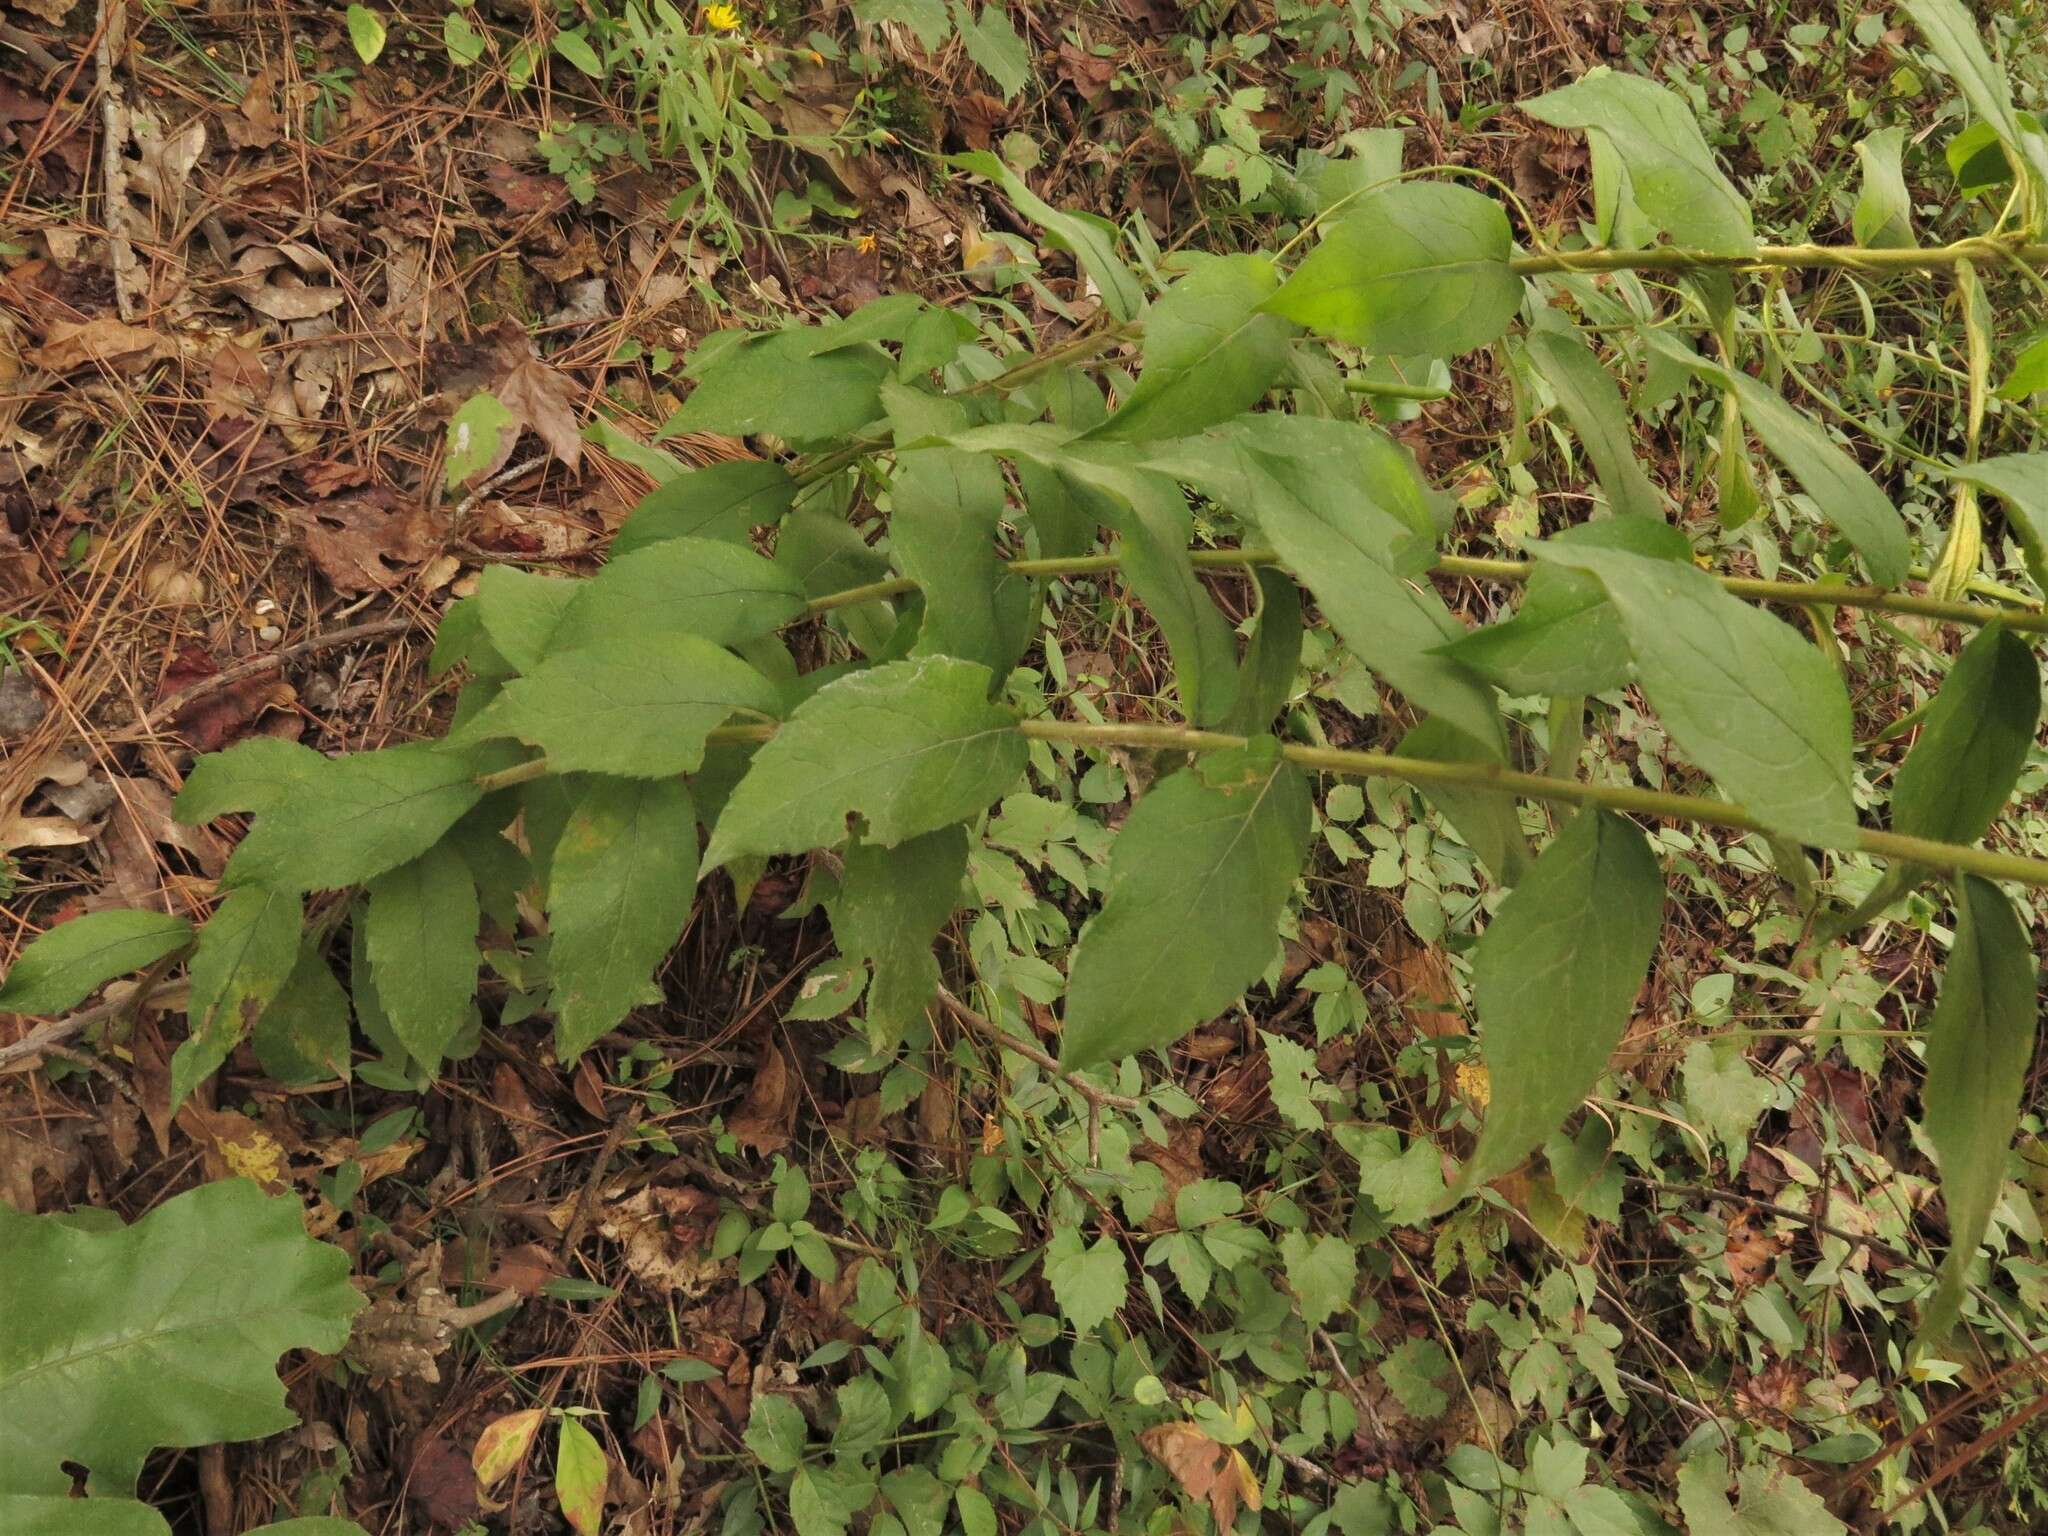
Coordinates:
[1803,594]
[1917,258]
[1893,847]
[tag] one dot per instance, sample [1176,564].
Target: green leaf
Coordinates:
[1324,495]
[1740,692]
[1839,486]
[1973,741]
[1952,34]
[1723,1095]
[1407,1183]
[723,501]
[350,819]
[775,384]
[1413,1371]
[1564,641]
[947,511]
[1197,880]
[1884,210]
[776,1432]
[480,437]
[892,903]
[635,705]
[62,1515]
[420,934]
[1554,981]
[365,32]
[246,952]
[1292,1077]
[303,1035]
[1272,661]
[620,887]
[464,43]
[1594,405]
[580,1477]
[1489,823]
[521,612]
[722,591]
[2021,481]
[1321,1272]
[163,1333]
[1209,351]
[912,746]
[1650,150]
[1772,1501]
[65,965]
[1414,269]
[926,18]
[1980,1040]
[1092,240]
[1088,1282]
[994,46]
[2029,377]
[253,775]
[575,47]
[866,1418]
[1154,525]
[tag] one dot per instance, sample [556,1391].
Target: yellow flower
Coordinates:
[722,18]
[866,245]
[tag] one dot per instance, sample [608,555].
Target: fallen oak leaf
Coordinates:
[1204,1469]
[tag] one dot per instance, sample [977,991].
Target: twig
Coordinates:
[169,709]
[481,1311]
[120,213]
[59,1032]
[1096,1096]
[580,1218]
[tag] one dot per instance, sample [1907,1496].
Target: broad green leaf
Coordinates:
[1740,692]
[947,512]
[1209,351]
[1839,486]
[521,612]
[61,1515]
[163,1333]
[1153,526]
[1655,157]
[1197,879]
[1414,269]
[1092,240]
[2020,480]
[575,47]
[776,1432]
[621,881]
[480,437]
[912,746]
[245,954]
[64,966]
[1724,1095]
[352,818]
[1590,399]
[722,591]
[460,37]
[1272,661]
[365,32]
[1973,741]
[1321,1272]
[1291,1080]
[926,18]
[1952,33]
[420,934]
[723,501]
[1489,823]
[2029,377]
[1884,210]
[581,1473]
[774,384]
[994,46]
[1566,640]
[892,903]
[1771,1501]
[636,706]
[1088,1281]
[1413,1371]
[252,775]
[1322,494]
[1980,1041]
[828,555]
[1554,981]
[303,1035]
[1407,1183]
